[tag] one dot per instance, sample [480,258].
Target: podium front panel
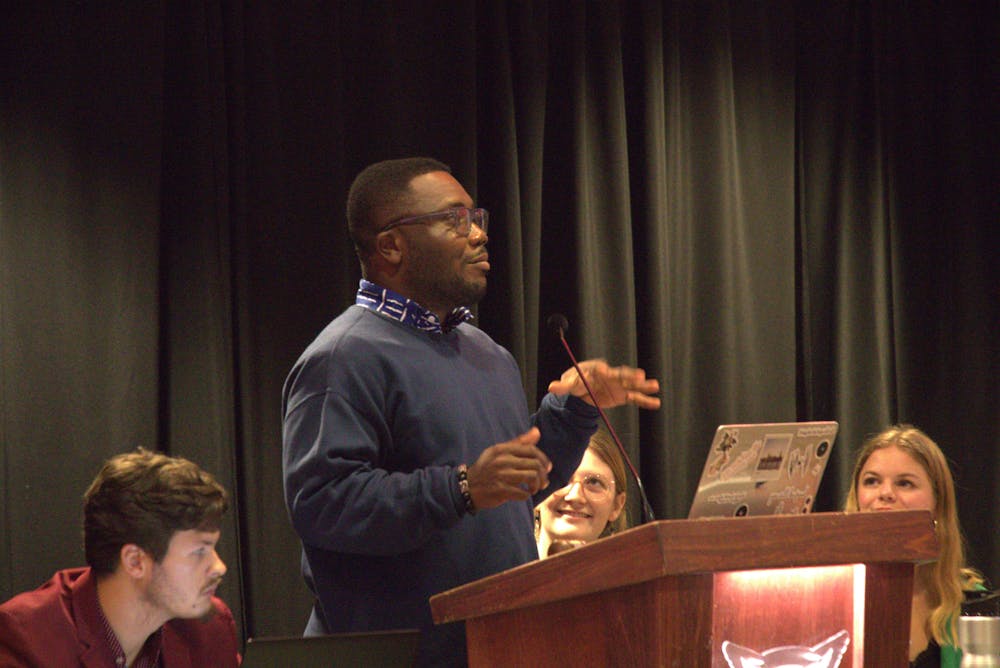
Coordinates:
[687,592]
[650,624]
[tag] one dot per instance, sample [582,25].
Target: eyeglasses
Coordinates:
[593,485]
[459,219]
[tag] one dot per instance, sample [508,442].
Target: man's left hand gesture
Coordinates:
[612,386]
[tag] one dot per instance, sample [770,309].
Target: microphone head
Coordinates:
[558,322]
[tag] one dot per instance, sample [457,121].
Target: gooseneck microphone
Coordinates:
[558,322]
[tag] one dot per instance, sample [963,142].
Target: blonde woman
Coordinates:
[901,468]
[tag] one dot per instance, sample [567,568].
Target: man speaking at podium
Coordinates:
[410,460]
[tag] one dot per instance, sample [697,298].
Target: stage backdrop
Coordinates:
[780,210]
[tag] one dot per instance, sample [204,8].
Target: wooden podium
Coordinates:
[670,593]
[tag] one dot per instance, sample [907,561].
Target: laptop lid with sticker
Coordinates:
[763,469]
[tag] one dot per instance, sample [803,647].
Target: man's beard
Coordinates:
[437,283]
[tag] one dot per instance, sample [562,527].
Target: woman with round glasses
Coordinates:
[592,505]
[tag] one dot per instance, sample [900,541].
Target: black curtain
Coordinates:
[781,210]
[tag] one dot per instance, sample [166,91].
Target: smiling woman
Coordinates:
[592,505]
[901,468]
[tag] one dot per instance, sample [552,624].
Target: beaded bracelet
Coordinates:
[463,487]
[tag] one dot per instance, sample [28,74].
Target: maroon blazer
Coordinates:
[58,624]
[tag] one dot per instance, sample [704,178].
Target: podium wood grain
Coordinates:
[668,593]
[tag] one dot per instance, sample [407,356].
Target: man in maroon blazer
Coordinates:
[147,597]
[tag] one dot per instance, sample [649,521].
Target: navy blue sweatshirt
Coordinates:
[376,416]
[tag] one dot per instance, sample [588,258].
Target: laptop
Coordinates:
[763,469]
[375,649]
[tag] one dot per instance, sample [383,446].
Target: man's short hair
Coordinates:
[379,188]
[143,498]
